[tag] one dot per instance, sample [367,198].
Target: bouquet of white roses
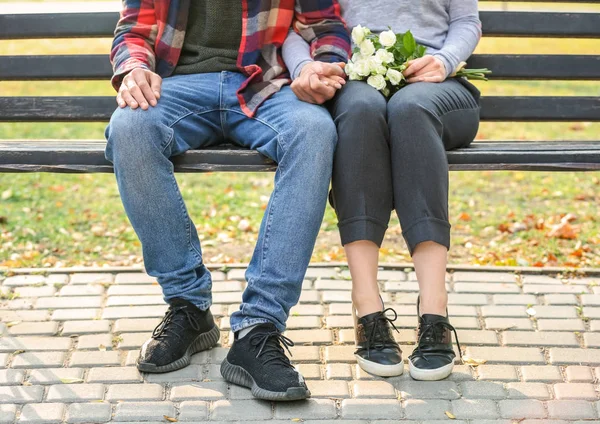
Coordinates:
[381,59]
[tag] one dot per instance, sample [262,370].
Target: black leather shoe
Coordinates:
[433,358]
[377,352]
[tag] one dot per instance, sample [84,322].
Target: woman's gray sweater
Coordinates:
[450,29]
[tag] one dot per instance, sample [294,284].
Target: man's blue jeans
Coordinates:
[202,110]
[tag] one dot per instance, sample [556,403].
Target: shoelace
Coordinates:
[380,333]
[270,346]
[436,329]
[169,320]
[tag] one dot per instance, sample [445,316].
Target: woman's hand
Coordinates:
[425,69]
[319,81]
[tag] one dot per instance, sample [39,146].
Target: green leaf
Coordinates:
[410,45]
[420,51]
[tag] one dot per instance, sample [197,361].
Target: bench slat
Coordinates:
[98,109]
[88,156]
[509,24]
[504,66]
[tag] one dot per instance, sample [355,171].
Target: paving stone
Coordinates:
[497,373]
[504,355]
[300,310]
[55,375]
[10,344]
[474,409]
[305,354]
[560,325]
[214,372]
[189,373]
[134,290]
[241,410]
[484,277]
[568,391]
[75,392]
[590,299]
[97,412]
[390,409]
[135,392]
[228,286]
[326,284]
[217,354]
[339,321]
[528,390]
[407,336]
[57,279]
[38,360]
[340,354]
[11,377]
[561,299]
[193,411]
[373,389]
[477,337]
[8,316]
[426,409]
[34,329]
[514,299]
[21,394]
[570,409]
[401,286]
[135,325]
[42,413]
[75,314]
[360,374]
[95,342]
[303,322]
[80,290]
[522,408]
[347,336]
[551,288]
[467,299]
[540,279]
[228,297]
[239,393]
[68,303]
[579,374]
[114,375]
[338,372]
[92,278]
[530,338]
[464,322]
[461,311]
[212,390]
[24,280]
[308,409]
[18,304]
[93,359]
[7,413]
[508,323]
[310,371]
[144,411]
[336,296]
[515,311]
[132,340]
[35,291]
[486,288]
[135,300]
[591,339]
[118,312]
[482,390]
[461,373]
[310,336]
[85,327]
[568,356]
[544,374]
[328,388]
[411,389]
[555,312]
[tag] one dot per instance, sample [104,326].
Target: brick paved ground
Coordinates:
[69,343]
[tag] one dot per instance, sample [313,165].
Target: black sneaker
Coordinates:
[433,358]
[258,361]
[377,352]
[184,330]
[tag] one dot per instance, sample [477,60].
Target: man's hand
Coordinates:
[139,88]
[425,69]
[319,81]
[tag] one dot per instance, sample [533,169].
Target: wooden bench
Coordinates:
[88,155]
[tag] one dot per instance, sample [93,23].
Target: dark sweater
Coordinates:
[212,37]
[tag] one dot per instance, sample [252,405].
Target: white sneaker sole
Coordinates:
[430,375]
[379,369]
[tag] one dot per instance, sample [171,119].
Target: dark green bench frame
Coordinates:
[70,156]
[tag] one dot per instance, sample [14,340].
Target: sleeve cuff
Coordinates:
[123,69]
[298,69]
[448,63]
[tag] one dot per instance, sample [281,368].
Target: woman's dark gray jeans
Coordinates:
[391,155]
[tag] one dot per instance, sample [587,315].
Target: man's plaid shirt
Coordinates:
[150,35]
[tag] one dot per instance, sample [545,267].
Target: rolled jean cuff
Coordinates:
[427,229]
[362,228]
[249,322]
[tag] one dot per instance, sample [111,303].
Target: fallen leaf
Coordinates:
[464,216]
[564,230]
[170,419]
[27,383]
[473,362]
[71,380]
[102,347]
[297,420]
[450,415]
[7,194]
[18,352]
[12,323]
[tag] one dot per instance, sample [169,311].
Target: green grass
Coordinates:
[53,219]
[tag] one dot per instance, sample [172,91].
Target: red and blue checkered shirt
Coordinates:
[150,35]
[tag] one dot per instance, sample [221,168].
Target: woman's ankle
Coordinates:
[435,305]
[366,303]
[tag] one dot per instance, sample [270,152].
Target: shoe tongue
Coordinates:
[432,319]
[176,302]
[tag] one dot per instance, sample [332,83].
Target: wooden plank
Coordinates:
[99,109]
[88,156]
[504,66]
[510,24]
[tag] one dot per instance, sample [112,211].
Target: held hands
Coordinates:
[425,69]
[319,81]
[140,88]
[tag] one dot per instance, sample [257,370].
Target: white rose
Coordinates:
[386,92]
[377,82]
[367,48]
[362,68]
[356,57]
[374,63]
[353,76]
[387,38]
[385,56]
[381,70]
[359,33]
[394,76]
